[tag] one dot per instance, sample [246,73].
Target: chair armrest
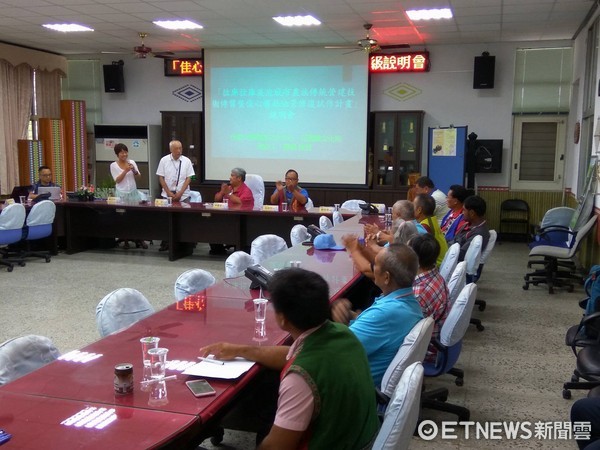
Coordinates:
[381,398]
[553,229]
[592,319]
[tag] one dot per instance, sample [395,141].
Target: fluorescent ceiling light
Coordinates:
[428,14]
[298,21]
[177,24]
[66,27]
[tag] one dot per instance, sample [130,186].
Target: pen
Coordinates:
[210,360]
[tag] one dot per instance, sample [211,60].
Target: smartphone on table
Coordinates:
[200,388]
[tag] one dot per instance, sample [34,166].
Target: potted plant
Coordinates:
[85,193]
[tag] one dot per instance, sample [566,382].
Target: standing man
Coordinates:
[289,192]
[326,396]
[175,173]
[236,191]
[424,185]
[44,179]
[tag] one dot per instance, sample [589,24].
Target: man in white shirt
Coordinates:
[175,173]
[424,185]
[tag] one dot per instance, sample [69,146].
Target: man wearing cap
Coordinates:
[382,327]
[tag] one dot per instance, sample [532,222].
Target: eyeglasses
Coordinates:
[45,175]
[291,179]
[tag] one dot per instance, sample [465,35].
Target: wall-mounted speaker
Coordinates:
[483,71]
[488,155]
[113,78]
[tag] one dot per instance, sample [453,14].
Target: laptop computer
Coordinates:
[18,191]
[54,191]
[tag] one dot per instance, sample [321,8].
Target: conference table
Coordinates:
[58,405]
[181,225]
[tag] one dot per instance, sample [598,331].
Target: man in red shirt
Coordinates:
[236,192]
[430,287]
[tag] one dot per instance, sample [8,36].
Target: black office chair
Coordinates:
[514,216]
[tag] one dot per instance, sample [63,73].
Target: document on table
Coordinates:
[227,371]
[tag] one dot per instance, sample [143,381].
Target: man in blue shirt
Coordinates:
[289,192]
[382,327]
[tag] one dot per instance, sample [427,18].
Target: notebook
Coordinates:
[18,191]
[53,190]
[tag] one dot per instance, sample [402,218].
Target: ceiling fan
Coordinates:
[368,44]
[141,51]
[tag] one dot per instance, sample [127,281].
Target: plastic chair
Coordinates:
[352,205]
[413,349]
[450,344]
[554,259]
[265,246]
[22,355]
[402,413]
[120,309]
[236,263]
[473,259]
[309,204]
[257,186]
[337,218]
[195,197]
[325,223]
[450,261]
[298,234]
[514,213]
[457,282]
[192,281]
[12,219]
[38,226]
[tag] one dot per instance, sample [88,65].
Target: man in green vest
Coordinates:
[326,396]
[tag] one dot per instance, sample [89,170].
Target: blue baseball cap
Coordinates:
[326,242]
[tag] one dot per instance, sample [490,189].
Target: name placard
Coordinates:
[161,202]
[270,208]
[9,201]
[113,200]
[325,209]
[219,205]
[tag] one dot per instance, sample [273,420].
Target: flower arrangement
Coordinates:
[85,192]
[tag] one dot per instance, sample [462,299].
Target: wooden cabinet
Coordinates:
[185,126]
[396,144]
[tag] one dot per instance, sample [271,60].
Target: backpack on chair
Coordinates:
[588,331]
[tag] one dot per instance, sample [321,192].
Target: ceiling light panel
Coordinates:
[429,14]
[66,27]
[177,24]
[296,21]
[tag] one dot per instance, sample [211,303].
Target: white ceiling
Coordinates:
[248,23]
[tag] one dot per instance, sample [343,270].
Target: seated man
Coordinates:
[44,179]
[424,208]
[402,210]
[383,326]
[424,185]
[430,287]
[236,192]
[475,225]
[289,192]
[326,397]
[454,218]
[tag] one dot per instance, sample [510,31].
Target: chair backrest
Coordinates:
[195,197]
[402,413]
[121,308]
[236,263]
[489,247]
[473,255]
[352,205]
[12,217]
[514,204]
[337,218]
[413,349]
[325,223]
[257,186]
[298,234]
[192,281]
[41,213]
[581,234]
[458,319]
[457,282]
[309,203]
[265,246]
[450,261]
[559,216]
[24,354]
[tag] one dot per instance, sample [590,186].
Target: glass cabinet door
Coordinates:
[408,149]
[385,138]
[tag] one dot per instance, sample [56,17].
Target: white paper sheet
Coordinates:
[228,371]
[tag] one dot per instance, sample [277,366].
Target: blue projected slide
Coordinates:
[267,118]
